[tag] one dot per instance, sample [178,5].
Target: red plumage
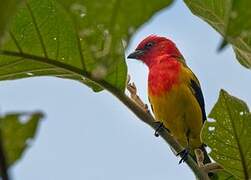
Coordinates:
[165,47]
[163,74]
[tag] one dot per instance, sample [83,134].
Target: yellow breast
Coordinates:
[179,111]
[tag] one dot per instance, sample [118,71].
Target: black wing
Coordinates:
[199,96]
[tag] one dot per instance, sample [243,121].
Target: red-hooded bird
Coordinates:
[174,92]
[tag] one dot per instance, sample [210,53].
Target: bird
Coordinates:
[174,93]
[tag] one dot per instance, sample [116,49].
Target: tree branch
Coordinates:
[136,105]
[135,108]
[148,119]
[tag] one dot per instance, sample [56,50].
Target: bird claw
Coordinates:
[183,154]
[159,128]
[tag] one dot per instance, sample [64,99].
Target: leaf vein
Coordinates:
[37,30]
[243,161]
[16,42]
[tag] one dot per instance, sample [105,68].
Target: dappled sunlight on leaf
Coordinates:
[229,136]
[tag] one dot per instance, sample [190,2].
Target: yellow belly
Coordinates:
[180,113]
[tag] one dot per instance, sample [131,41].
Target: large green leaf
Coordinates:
[7,9]
[74,38]
[17,130]
[231,18]
[223,175]
[229,135]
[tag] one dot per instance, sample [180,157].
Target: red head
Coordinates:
[153,47]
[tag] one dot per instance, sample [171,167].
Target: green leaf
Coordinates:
[7,10]
[231,18]
[223,175]
[18,129]
[74,38]
[17,133]
[229,135]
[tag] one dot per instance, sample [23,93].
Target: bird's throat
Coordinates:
[163,76]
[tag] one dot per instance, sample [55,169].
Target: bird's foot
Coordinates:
[183,154]
[159,128]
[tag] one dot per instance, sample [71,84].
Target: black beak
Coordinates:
[136,54]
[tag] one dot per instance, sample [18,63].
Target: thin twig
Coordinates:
[210,167]
[213,167]
[199,157]
[133,92]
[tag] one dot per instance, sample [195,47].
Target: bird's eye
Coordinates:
[149,45]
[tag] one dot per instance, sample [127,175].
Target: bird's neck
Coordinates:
[163,74]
